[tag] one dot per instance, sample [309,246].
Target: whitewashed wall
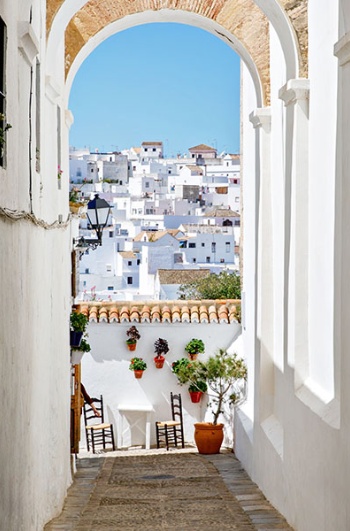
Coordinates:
[106,369]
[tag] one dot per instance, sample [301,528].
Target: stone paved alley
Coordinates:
[177,490]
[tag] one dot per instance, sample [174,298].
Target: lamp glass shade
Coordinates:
[98,211]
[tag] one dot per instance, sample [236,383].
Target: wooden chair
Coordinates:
[171,432]
[98,432]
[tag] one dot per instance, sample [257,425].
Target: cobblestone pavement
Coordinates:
[176,491]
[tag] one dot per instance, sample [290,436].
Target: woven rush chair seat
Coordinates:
[171,432]
[97,433]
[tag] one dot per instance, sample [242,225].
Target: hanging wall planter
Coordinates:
[160,349]
[194,347]
[195,396]
[159,361]
[133,336]
[138,374]
[76,356]
[75,338]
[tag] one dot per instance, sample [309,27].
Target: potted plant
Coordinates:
[78,352]
[225,375]
[133,336]
[138,366]
[78,324]
[194,347]
[160,348]
[193,373]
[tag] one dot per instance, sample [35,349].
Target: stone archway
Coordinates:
[243,24]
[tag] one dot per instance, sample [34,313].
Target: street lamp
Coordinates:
[98,211]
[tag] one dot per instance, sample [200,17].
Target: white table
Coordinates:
[132,408]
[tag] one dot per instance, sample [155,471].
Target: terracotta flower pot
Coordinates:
[193,356]
[159,361]
[208,437]
[195,396]
[131,346]
[138,374]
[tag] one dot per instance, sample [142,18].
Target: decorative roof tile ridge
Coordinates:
[114,315]
[134,315]
[93,314]
[103,315]
[145,314]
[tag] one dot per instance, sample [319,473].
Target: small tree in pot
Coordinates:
[133,336]
[225,375]
[160,349]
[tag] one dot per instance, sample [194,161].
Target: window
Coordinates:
[111,234]
[236,199]
[146,149]
[235,181]
[84,283]
[78,172]
[129,262]
[213,247]
[222,260]
[92,170]
[108,267]
[194,260]
[110,288]
[87,271]
[138,261]
[228,247]
[147,184]
[154,149]
[134,168]
[192,245]
[208,259]
[237,223]
[203,244]
[129,280]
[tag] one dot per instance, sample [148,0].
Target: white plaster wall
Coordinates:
[34,316]
[299,453]
[106,370]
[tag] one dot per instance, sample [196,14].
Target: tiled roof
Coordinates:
[208,311]
[201,147]
[128,254]
[152,144]
[181,276]
[195,169]
[219,212]
[152,236]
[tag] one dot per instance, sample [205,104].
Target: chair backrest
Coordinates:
[176,407]
[89,414]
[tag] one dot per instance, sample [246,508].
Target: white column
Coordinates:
[264,381]
[295,95]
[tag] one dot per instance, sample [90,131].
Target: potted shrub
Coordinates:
[192,373]
[160,348]
[194,347]
[78,324]
[78,352]
[225,375]
[133,336]
[138,366]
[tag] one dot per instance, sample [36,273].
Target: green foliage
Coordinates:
[133,335]
[84,346]
[195,346]
[78,321]
[192,372]
[238,313]
[137,364]
[224,372]
[225,285]
[161,347]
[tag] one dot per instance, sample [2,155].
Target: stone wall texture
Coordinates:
[242,18]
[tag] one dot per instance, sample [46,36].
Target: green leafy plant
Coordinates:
[137,364]
[78,321]
[84,346]
[195,346]
[161,347]
[133,335]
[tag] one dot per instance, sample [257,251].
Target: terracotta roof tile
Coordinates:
[201,147]
[219,311]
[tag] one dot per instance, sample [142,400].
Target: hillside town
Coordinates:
[172,220]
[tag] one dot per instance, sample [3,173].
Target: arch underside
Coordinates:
[243,19]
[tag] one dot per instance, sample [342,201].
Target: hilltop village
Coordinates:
[172,221]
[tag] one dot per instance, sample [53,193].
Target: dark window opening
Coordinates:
[129,280]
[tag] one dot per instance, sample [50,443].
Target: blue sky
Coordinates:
[157,82]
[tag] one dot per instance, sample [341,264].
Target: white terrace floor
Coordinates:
[151,490]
